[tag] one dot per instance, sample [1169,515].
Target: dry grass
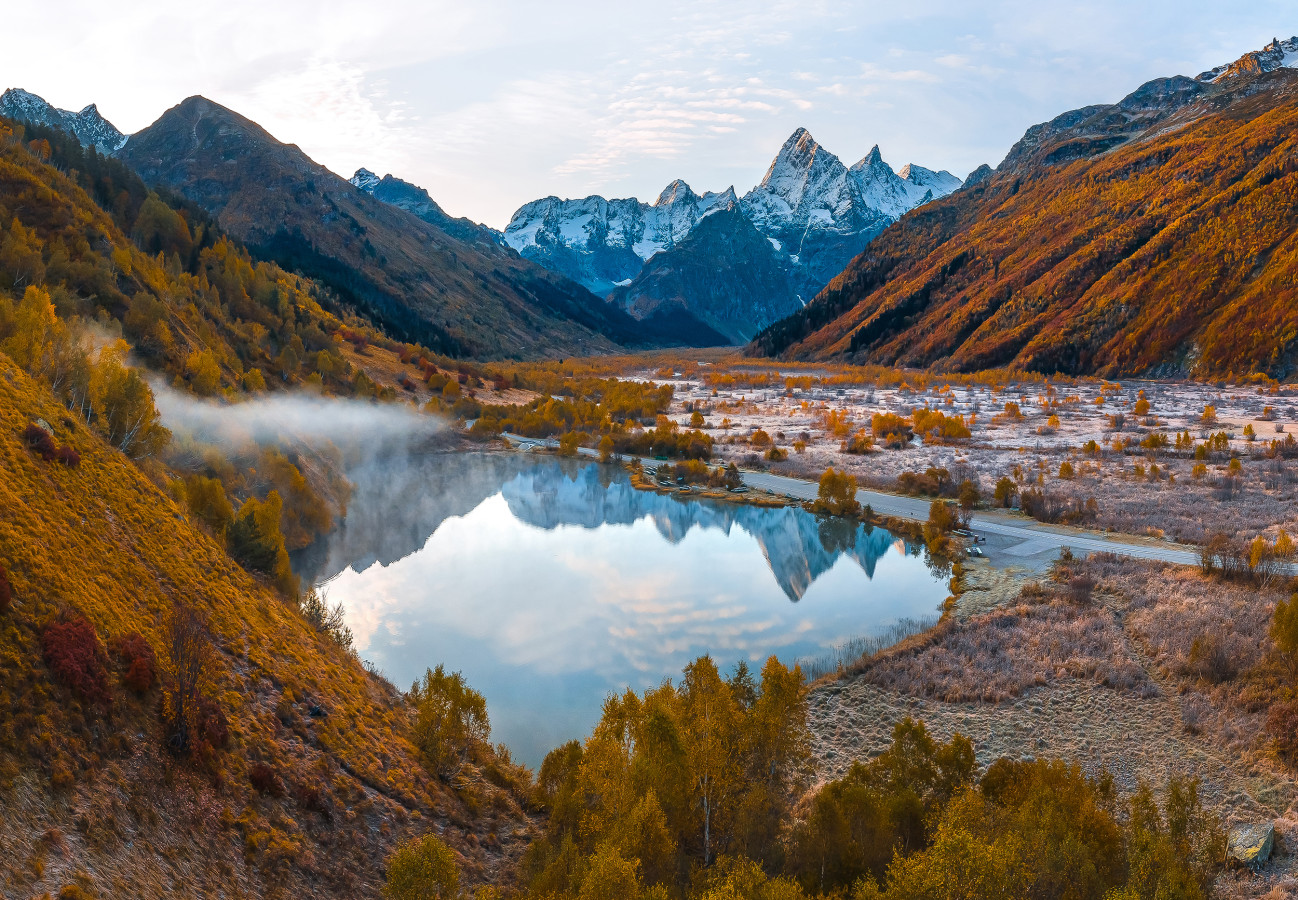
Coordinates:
[998,656]
[1169,608]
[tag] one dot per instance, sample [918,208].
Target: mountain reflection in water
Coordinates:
[553,582]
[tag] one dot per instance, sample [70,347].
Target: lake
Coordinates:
[550,583]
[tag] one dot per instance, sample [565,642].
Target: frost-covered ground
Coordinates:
[1133,496]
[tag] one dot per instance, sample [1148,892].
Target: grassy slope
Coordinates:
[93,794]
[1176,250]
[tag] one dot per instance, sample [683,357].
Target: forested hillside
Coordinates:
[1156,235]
[409,276]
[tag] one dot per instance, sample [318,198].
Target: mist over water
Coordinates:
[551,583]
[311,418]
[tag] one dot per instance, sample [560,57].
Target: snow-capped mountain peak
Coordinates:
[366,180]
[676,192]
[88,126]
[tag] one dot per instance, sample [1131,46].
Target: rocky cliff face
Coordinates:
[89,127]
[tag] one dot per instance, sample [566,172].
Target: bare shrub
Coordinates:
[1209,660]
[1053,508]
[190,659]
[139,661]
[1282,725]
[41,441]
[68,456]
[310,796]
[6,591]
[1080,588]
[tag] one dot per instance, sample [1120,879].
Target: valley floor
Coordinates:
[1025,671]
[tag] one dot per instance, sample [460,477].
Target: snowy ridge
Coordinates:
[88,126]
[643,228]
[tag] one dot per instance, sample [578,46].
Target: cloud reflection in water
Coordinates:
[550,584]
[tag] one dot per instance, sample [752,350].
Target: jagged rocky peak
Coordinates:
[978,175]
[88,126]
[676,192]
[800,166]
[1276,55]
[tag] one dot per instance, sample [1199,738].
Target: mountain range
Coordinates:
[1151,235]
[1155,235]
[418,273]
[401,499]
[815,213]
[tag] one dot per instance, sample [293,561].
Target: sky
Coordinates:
[492,103]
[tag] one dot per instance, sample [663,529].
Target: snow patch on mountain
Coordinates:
[88,126]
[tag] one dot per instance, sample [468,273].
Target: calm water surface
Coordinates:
[550,583]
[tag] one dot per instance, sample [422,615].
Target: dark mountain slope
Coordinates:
[1152,235]
[416,280]
[724,274]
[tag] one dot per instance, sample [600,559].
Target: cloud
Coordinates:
[498,102]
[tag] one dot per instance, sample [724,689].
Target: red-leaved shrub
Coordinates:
[139,661]
[69,457]
[213,727]
[264,780]
[6,591]
[77,658]
[41,441]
